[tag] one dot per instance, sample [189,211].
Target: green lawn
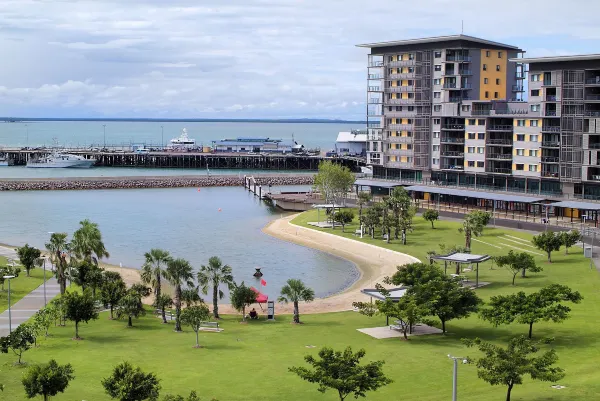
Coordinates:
[249,362]
[20,286]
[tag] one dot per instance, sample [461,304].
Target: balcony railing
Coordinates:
[453,154]
[453,127]
[550,174]
[500,127]
[449,85]
[452,140]
[375,76]
[518,88]
[398,164]
[399,152]
[458,99]
[592,97]
[401,63]
[400,113]
[551,144]
[550,159]
[592,113]
[376,64]
[375,114]
[550,128]
[399,101]
[459,58]
[452,167]
[499,170]
[400,139]
[499,156]
[400,127]
[594,146]
[551,98]
[593,81]
[496,141]
[550,113]
[480,112]
[465,72]
[405,75]
[466,86]
[374,89]
[548,82]
[397,89]
[594,178]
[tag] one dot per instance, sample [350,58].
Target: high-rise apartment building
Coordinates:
[452,109]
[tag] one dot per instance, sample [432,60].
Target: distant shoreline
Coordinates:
[191,120]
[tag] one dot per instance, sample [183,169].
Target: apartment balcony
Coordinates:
[399,101]
[592,98]
[518,88]
[550,113]
[374,125]
[398,165]
[500,142]
[375,64]
[550,174]
[449,153]
[550,128]
[459,99]
[452,140]
[398,89]
[499,170]
[448,166]
[374,89]
[375,101]
[465,72]
[594,146]
[550,159]
[593,81]
[480,112]
[498,156]
[551,144]
[400,113]
[400,127]
[401,63]
[592,113]
[399,152]
[454,127]
[594,178]
[551,98]
[399,139]
[466,59]
[375,114]
[406,75]
[495,127]
[449,85]
[374,76]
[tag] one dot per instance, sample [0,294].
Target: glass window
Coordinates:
[533,138]
[520,137]
[499,54]
[497,67]
[497,81]
[437,95]
[465,107]
[436,134]
[481,150]
[520,123]
[487,94]
[533,152]
[480,164]
[487,53]
[485,80]
[485,67]
[472,121]
[438,67]
[437,121]
[481,135]
[535,92]
[471,135]
[533,123]
[437,81]
[535,77]
[471,163]
[533,167]
[520,152]
[471,149]
[481,121]
[437,107]
[535,107]
[436,148]
[520,167]
[437,54]
[435,161]
[495,95]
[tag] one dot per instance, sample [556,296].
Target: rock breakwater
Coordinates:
[55,184]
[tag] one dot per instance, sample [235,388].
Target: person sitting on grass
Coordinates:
[253,314]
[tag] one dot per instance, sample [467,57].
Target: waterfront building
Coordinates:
[453,110]
[353,143]
[254,145]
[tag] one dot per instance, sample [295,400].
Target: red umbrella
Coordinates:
[260,297]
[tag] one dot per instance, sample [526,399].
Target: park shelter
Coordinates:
[377,187]
[577,209]
[395,295]
[463,258]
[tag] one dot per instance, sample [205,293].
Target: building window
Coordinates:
[487,95]
[497,67]
[535,92]
[487,53]
[409,134]
[411,108]
[437,107]
[481,150]
[437,121]
[411,56]
[520,167]
[533,138]
[485,81]
[436,148]
[497,81]
[437,81]
[435,161]
[481,122]
[485,67]
[480,164]
[409,159]
[481,135]
[495,95]
[471,163]
[437,54]
[409,146]
[520,152]
[465,107]
[533,167]
[437,67]
[471,149]
[436,134]
[535,107]
[521,137]
[437,95]
[472,121]
[533,152]
[520,123]
[533,123]
[471,135]
[535,77]
[411,70]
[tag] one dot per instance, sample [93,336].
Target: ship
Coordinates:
[183,141]
[61,160]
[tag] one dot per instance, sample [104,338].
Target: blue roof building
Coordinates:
[255,145]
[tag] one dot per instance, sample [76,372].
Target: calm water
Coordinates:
[75,133]
[24,172]
[184,221]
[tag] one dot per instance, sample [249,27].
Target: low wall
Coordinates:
[53,184]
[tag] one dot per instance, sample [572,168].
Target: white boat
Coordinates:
[3,160]
[183,141]
[61,160]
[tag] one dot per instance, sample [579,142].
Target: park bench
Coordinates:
[168,314]
[210,326]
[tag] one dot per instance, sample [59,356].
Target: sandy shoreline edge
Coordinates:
[373,262]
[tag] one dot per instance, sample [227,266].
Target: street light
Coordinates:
[455,359]
[104,129]
[27,130]
[45,302]
[162,138]
[9,315]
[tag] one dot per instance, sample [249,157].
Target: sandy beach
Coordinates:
[374,263]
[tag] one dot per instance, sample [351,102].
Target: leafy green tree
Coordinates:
[8,271]
[386,221]
[141,289]
[192,397]
[47,379]
[179,272]
[20,340]
[86,274]
[446,299]
[517,262]
[113,289]
[544,305]
[190,296]
[46,316]
[344,217]
[507,366]
[473,225]
[214,275]
[547,241]
[431,215]
[194,316]
[363,198]
[295,291]
[28,256]
[412,274]
[87,243]
[57,247]
[128,383]
[61,306]
[163,302]
[153,270]
[570,238]
[399,204]
[79,308]
[333,182]
[342,371]
[131,306]
[372,218]
[242,296]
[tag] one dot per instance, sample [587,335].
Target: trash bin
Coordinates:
[587,252]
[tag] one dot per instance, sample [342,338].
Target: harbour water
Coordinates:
[191,224]
[86,133]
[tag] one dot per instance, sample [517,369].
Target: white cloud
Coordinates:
[263,58]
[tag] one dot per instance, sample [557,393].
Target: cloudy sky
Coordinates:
[241,58]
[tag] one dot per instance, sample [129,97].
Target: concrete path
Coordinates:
[32,302]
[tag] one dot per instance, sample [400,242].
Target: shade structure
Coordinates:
[260,297]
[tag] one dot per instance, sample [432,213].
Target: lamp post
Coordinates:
[455,374]
[104,131]
[9,313]
[162,138]
[45,301]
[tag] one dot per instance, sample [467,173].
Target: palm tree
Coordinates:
[87,242]
[153,269]
[295,291]
[57,247]
[363,199]
[214,275]
[179,272]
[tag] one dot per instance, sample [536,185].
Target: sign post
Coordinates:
[270,310]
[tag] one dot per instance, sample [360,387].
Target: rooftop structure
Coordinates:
[450,40]
[351,143]
[254,145]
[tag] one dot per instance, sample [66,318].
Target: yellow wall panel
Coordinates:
[405,96]
[491,74]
